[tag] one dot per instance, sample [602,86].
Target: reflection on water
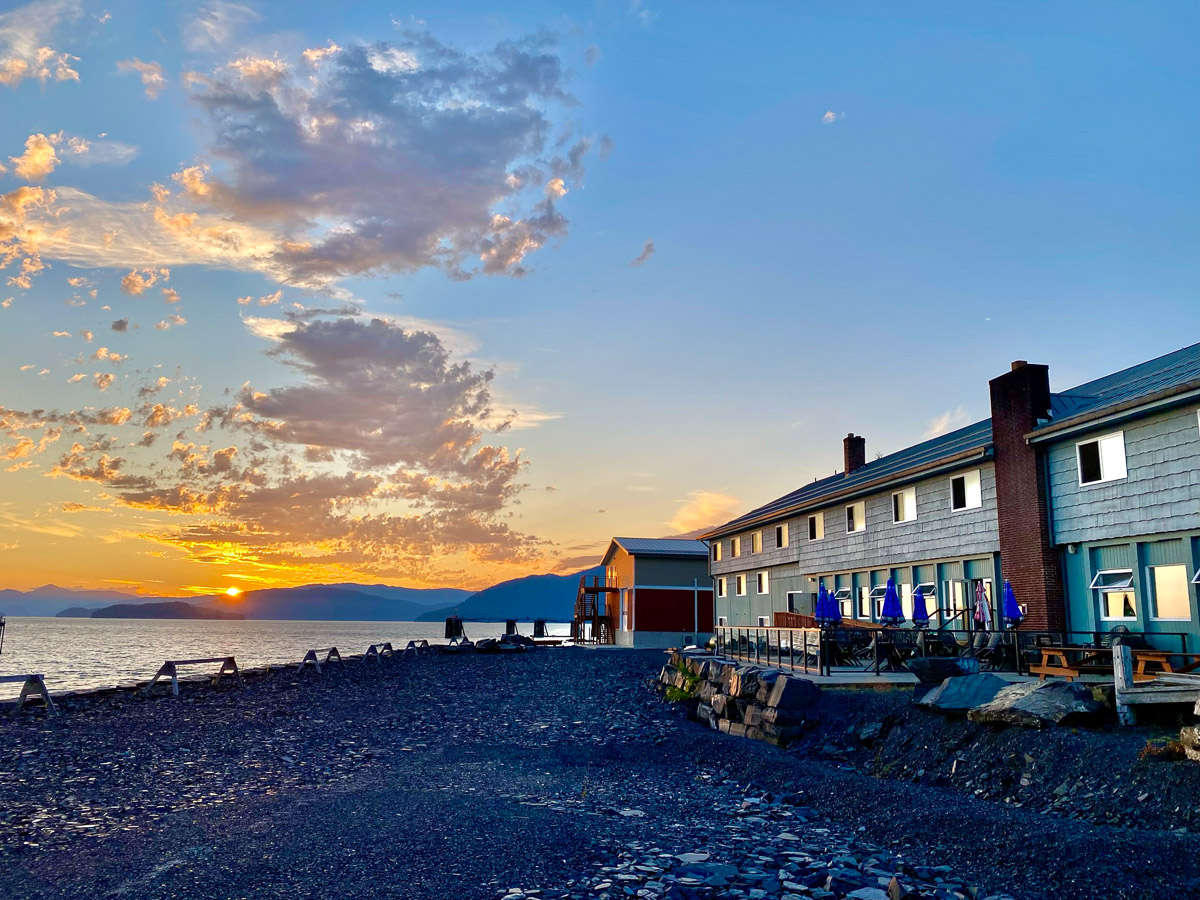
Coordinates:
[85,653]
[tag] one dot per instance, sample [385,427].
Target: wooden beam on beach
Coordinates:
[171,668]
[379,651]
[312,656]
[30,685]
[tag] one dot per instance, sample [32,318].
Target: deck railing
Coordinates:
[878,649]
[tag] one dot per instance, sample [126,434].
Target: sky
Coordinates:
[439,294]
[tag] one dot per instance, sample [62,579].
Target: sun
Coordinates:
[232,592]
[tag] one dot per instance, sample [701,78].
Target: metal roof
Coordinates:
[662,546]
[1143,381]
[923,456]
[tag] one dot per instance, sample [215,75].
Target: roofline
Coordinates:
[1171,396]
[980,453]
[661,554]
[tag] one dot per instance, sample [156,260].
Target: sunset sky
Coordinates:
[443,293]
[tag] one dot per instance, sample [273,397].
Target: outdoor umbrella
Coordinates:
[920,614]
[1012,612]
[822,611]
[891,613]
[983,612]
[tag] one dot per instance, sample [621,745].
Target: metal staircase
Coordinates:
[593,621]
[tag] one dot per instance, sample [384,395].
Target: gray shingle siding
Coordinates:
[671,572]
[1161,492]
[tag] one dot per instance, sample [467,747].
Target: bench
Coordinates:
[1055,661]
[416,647]
[30,684]
[312,656]
[171,666]
[379,651]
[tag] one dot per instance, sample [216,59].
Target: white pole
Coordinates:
[695,604]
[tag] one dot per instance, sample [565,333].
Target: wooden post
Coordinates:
[1123,680]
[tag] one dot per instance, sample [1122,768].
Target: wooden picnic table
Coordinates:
[1057,661]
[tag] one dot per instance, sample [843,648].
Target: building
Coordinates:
[660,590]
[1087,501]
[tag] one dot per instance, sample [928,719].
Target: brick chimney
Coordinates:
[1020,398]
[854,451]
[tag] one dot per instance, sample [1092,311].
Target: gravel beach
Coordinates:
[557,773]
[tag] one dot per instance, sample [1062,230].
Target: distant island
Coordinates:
[169,609]
[75,612]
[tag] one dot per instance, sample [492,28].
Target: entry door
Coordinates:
[624,610]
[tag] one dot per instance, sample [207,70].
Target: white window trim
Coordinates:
[739,585]
[819,518]
[1097,586]
[903,493]
[1154,590]
[766,582]
[931,593]
[978,473]
[1114,589]
[1104,479]
[722,621]
[756,541]
[735,547]
[716,554]
[785,532]
[764,622]
[862,526]
[722,586]
[1196,578]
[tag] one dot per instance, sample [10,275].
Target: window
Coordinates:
[781,535]
[764,622]
[1117,600]
[856,518]
[842,596]
[877,594]
[794,601]
[740,585]
[956,602]
[1102,459]
[1171,597]
[735,547]
[722,587]
[764,582]
[722,621]
[929,592]
[904,505]
[716,551]
[906,595]
[864,602]
[1196,580]
[816,527]
[965,491]
[756,542]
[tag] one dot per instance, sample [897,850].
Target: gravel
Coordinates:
[557,773]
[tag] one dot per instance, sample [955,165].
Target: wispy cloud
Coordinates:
[947,422]
[153,78]
[25,50]
[830,117]
[647,252]
[704,509]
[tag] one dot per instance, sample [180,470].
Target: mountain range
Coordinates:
[532,597]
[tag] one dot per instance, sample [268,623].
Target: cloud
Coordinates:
[703,510]
[120,325]
[314,55]
[591,56]
[830,117]
[24,38]
[647,252]
[104,380]
[138,282]
[39,158]
[151,74]
[215,23]
[947,422]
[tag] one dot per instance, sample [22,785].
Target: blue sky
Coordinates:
[858,215]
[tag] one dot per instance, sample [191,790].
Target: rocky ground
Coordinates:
[559,773]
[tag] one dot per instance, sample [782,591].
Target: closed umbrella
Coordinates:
[920,614]
[983,610]
[822,611]
[892,613]
[1012,612]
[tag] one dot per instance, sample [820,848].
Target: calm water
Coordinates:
[85,653]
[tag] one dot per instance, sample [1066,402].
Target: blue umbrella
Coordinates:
[920,614]
[1012,612]
[891,614]
[822,610]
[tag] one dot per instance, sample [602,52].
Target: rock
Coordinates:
[792,693]
[743,682]
[935,670]
[752,714]
[870,732]
[867,893]
[1036,704]
[1189,736]
[781,716]
[956,696]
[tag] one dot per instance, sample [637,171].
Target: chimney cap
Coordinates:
[1019,364]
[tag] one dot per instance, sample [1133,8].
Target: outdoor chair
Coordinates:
[995,654]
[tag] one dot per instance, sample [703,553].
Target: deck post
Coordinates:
[1123,679]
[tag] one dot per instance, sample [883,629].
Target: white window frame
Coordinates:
[793,604]
[905,494]
[1196,579]
[722,621]
[722,586]
[1150,580]
[931,594]
[763,582]
[783,536]
[819,521]
[1123,586]
[972,499]
[864,602]
[878,592]
[861,526]
[739,585]
[756,542]
[1119,468]
[716,551]
[843,596]
[735,547]
[764,621]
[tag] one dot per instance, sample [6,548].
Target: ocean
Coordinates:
[86,653]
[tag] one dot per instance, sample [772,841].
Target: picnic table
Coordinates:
[1070,662]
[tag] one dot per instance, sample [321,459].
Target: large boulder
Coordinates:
[957,696]
[1037,704]
[792,693]
[935,669]
[743,682]
[1189,736]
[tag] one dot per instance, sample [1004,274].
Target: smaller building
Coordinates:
[659,590]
